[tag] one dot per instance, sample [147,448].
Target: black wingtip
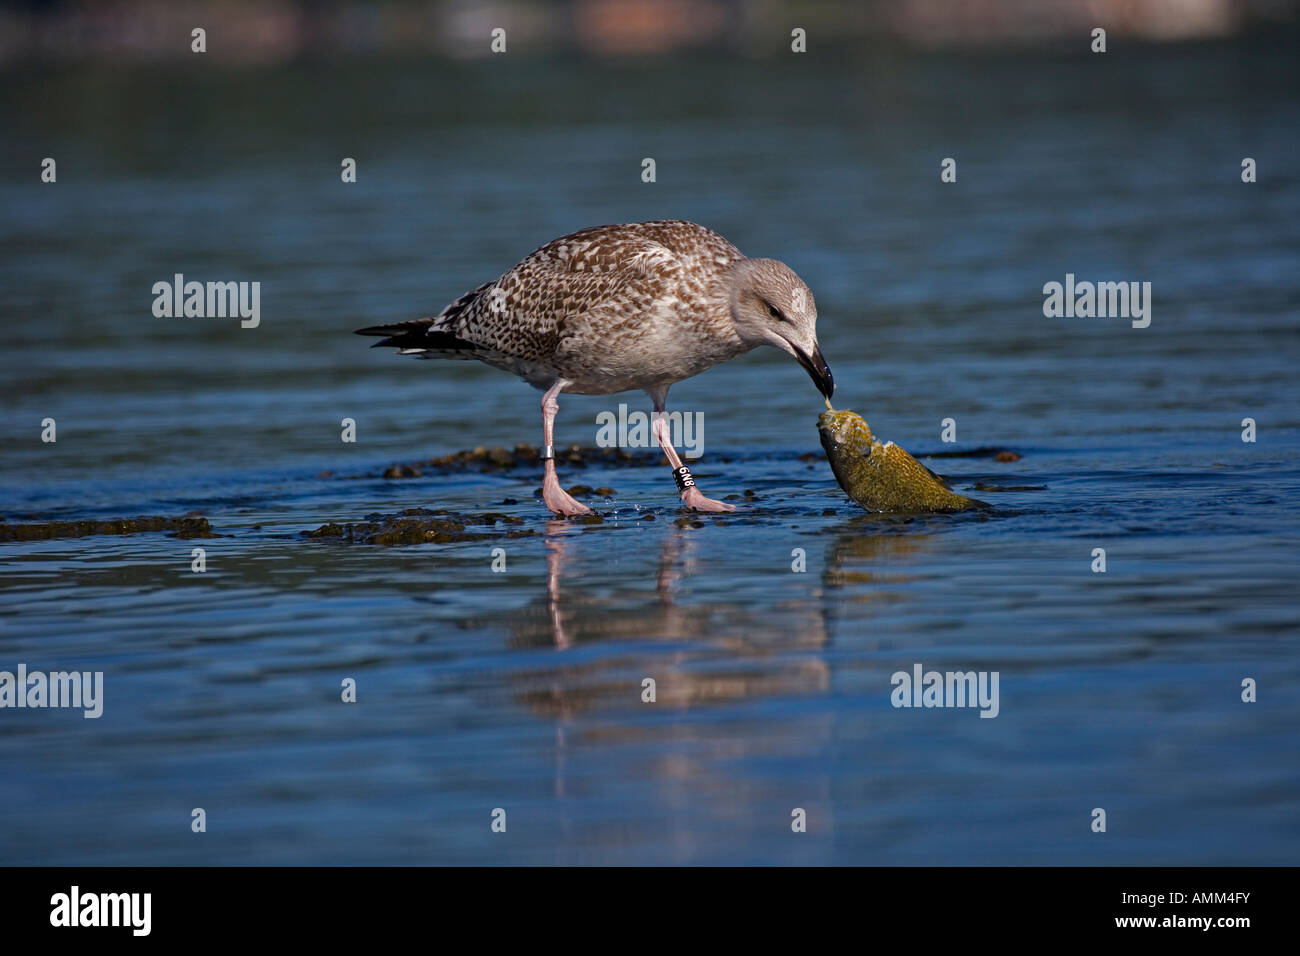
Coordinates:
[417,335]
[400,335]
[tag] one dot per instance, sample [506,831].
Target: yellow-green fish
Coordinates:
[882,477]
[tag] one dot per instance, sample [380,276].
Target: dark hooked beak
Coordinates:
[818,369]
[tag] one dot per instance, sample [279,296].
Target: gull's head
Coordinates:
[770,305]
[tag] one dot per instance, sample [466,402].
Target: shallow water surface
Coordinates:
[522,689]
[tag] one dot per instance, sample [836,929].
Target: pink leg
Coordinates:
[557,499]
[692,497]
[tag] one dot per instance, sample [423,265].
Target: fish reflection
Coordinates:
[875,551]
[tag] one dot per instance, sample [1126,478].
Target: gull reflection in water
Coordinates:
[708,650]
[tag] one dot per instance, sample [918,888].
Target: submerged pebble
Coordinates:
[586,491]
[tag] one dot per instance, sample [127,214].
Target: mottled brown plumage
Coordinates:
[629,306]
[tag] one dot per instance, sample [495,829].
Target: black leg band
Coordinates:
[683,478]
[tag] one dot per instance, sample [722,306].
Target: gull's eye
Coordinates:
[774,312]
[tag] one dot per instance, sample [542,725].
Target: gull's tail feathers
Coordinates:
[430,337]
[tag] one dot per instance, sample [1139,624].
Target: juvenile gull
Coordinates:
[633,306]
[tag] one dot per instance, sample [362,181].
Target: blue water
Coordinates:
[521,690]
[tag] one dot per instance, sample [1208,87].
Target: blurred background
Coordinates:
[274,31]
[522,689]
